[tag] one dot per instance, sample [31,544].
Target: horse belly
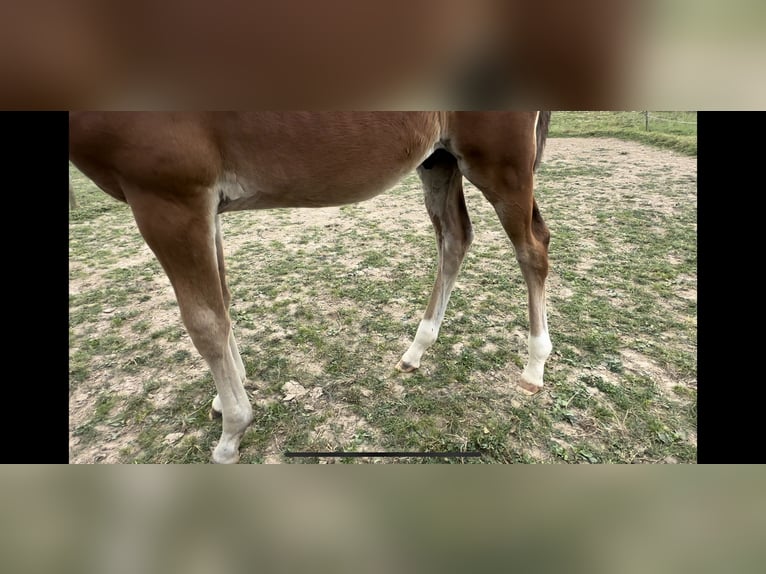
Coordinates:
[325,160]
[239,194]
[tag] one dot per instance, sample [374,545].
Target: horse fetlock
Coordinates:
[227,449]
[427,333]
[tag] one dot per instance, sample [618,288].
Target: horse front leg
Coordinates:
[182,235]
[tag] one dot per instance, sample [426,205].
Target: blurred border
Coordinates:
[589,519]
[342,54]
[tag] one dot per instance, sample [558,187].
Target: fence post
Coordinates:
[646,120]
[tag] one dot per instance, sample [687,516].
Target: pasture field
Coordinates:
[669,130]
[325,301]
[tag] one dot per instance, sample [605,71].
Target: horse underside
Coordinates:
[179,171]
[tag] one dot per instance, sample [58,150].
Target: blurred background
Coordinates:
[594,519]
[339,54]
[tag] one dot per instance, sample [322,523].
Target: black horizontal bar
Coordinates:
[384,454]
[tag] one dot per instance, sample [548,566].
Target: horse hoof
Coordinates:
[223,458]
[406,367]
[232,460]
[530,387]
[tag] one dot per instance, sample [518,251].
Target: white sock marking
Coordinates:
[540,347]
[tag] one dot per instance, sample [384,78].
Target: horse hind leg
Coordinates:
[216,408]
[513,199]
[445,203]
[193,267]
[534,267]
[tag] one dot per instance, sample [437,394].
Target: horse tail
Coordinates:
[543,121]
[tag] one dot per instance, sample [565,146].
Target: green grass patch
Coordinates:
[668,130]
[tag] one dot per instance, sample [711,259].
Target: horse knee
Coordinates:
[209,333]
[534,258]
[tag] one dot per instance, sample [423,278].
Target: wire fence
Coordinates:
[675,130]
[650,116]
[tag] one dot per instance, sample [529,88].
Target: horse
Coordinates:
[179,171]
[483,54]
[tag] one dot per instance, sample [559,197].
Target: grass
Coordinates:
[330,299]
[669,130]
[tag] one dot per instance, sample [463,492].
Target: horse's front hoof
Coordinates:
[530,387]
[224,457]
[405,367]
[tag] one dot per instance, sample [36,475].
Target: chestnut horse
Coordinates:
[179,171]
